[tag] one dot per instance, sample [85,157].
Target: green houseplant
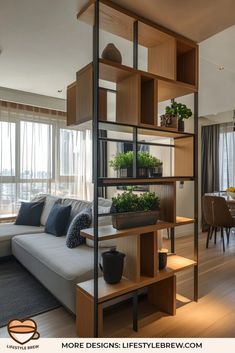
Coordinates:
[175,114]
[180,111]
[132,210]
[147,164]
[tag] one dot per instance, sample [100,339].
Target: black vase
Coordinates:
[112,266]
[181,125]
[162,259]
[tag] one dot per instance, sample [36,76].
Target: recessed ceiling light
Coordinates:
[221,67]
[60,91]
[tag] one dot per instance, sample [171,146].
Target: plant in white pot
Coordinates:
[130,210]
[231,191]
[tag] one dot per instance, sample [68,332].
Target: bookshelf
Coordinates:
[171,72]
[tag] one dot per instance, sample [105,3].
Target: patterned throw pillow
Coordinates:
[81,221]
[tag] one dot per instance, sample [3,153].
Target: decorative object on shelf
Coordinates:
[112,266]
[168,120]
[131,210]
[231,191]
[147,165]
[162,258]
[180,111]
[112,53]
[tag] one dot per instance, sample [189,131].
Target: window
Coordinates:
[39,154]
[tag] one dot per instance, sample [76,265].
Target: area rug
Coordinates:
[21,295]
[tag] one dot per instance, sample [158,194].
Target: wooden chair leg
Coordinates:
[222,238]
[208,237]
[212,231]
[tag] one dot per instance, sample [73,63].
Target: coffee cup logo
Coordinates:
[22,331]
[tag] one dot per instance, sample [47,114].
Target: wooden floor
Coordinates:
[212,316]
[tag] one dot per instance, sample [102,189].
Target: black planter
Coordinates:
[162,259]
[125,173]
[112,266]
[144,172]
[156,172]
[134,219]
[181,125]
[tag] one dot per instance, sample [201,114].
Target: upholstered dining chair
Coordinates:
[216,212]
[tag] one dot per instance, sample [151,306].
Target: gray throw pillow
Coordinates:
[81,221]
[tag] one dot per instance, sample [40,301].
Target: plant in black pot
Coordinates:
[148,165]
[180,111]
[123,164]
[132,210]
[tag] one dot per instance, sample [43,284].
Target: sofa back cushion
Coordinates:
[30,214]
[76,206]
[57,220]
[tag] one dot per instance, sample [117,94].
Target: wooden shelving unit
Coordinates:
[171,71]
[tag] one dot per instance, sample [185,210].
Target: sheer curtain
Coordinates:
[227,155]
[39,153]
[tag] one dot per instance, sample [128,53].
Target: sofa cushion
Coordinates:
[30,214]
[57,220]
[81,221]
[9,230]
[57,267]
[76,206]
[49,203]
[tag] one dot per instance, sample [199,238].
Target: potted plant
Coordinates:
[123,164]
[147,165]
[132,210]
[180,112]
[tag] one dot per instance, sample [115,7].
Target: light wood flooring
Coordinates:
[212,316]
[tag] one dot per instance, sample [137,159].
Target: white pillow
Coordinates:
[49,203]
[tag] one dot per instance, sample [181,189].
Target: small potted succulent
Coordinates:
[123,164]
[176,112]
[231,191]
[131,210]
[147,165]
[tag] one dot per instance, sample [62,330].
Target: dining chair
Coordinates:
[207,213]
[217,212]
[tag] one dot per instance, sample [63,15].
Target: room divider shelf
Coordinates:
[170,71]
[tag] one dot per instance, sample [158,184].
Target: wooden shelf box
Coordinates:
[187,62]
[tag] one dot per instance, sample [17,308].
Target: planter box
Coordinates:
[169,121]
[134,219]
[125,173]
[156,172]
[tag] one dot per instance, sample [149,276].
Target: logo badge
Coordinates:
[22,331]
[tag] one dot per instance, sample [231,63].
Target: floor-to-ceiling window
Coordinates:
[40,154]
[227,155]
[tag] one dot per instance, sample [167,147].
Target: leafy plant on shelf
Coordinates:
[125,160]
[146,160]
[122,160]
[130,202]
[180,110]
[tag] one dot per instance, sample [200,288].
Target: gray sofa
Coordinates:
[47,257]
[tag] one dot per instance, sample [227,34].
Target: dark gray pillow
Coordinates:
[81,221]
[57,220]
[30,214]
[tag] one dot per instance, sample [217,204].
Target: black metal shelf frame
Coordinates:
[95,160]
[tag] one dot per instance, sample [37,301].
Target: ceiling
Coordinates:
[197,20]
[43,44]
